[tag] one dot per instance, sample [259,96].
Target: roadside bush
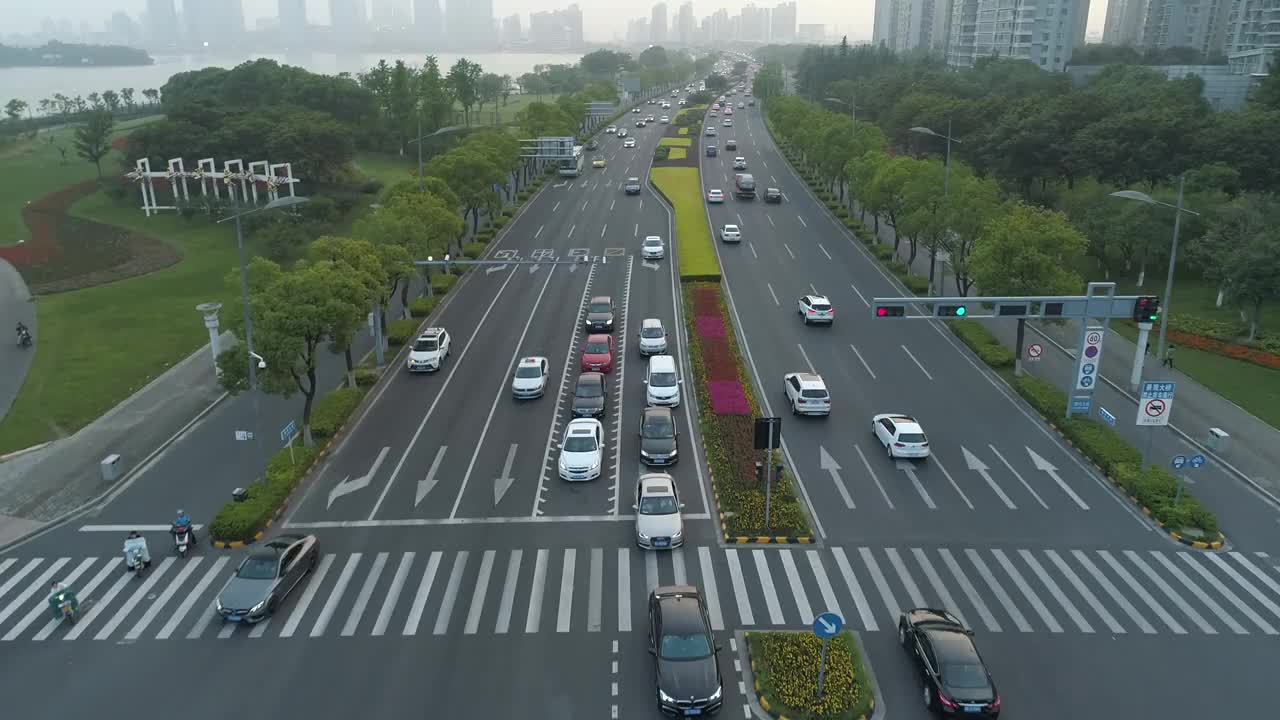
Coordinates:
[509,212]
[853,224]
[333,409]
[785,662]
[399,332]
[983,343]
[662,152]
[422,306]
[500,222]
[523,195]
[484,235]
[916,284]
[1098,442]
[242,520]
[474,250]
[882,251]
[897,267]
[842,213]
[367,376]
[442,283]
[1155,488]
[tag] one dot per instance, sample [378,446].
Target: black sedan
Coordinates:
[589,396]
[266,577]
[600,314]
[659,443]
[686,668]
[956,681]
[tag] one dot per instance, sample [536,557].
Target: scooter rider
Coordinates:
[23,332]
[136,543]
[58,593]
[181,524]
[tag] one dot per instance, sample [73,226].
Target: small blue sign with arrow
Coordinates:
[1197,460]
[1179,461]
[827,625]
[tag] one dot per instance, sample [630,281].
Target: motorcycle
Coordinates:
[65,606]
[136,560]
[183,539]
[24,338]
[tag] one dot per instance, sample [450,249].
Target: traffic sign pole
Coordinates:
[822,667]
[825,626]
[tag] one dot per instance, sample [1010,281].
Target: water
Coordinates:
[32,84]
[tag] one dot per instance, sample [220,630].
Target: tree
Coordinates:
[1028,250]
[14,108]
[95,101]
[717,83]
[654,56]
[539,119]
[1232,253]
[973,202]
[93,138]
[929,214]
[358,258]
[1266,96]
[508,87]
[605,63]
[472,176]
[436,97]
[740,67]
[152,95]
[46,106]
[293,312]
[126,95]
[886,195]
[489,89]
[464,79]
[402,102]
[111,99]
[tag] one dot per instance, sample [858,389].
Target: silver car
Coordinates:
[266,577]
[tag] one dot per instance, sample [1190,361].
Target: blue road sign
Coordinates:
[828,625]
[1107,417]
[1197,460]
[1081,404]
[1179,461]
[289,431]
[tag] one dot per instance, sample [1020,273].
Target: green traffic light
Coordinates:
[960,311]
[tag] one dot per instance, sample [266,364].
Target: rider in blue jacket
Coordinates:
[184,521]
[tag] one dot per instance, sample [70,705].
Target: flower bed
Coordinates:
[680,187]
[1232,350]
[785,665]
[727,410]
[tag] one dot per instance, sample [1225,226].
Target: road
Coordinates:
[455,563]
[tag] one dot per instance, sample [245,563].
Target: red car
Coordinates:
[597,354]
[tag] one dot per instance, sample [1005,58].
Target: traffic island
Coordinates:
[785,667]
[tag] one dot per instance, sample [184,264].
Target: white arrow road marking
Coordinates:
[905,466]
[1019,476]
[1046,466]
[534,268]
[828,463]
[425,485]
[503,483]
[872,474]
[651,265]
[348,485]
[495,268]
[976,465]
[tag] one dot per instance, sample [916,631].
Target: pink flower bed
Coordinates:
[710,326]
[727,397]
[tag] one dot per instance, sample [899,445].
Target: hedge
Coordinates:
[1155,488]
[841,212]
[500,222]
[241,521]
[367,376]
[474,250]
[785,666]
[333,409]
[442,283]
[422,306]
[662,152]
[916,284]
[400,332]
[510,212]
[485,234]
[697,253]
[982,342]
[881,251]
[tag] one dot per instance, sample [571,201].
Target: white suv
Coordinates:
[653,337]
[901,435]
[807,394]
[662,382]
[659,525]
[816,309]
[429,350]
[582,452]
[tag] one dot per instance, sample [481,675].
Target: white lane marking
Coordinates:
[190,600]
[1001,596]
[123,613]
[451,593]
[882,585]
[917,362]
[420,598]
[788,247]
[508,593]
[479,593]
[899,567]
[571,229]
[677,565]
[17,578]
[365,594]
[1055,591]
[859,293]
[906,467]
[534,617]
[802,222]
[770,219]
[1019,476]
[934,459]
[974,598]
[739,588]
[814,289]
[1231,597]
[824,584]
[1141,592]
[863,361]
[766,585]
[773,294]
[751,246]
[556,206]
[874,477]
[1168,591]
[393,594]
[709,588]
[1029,594]
[807,362]
[824,251]
[584,203]
[335,595]
[1256,572]
[859,599]
[42,582]
[595,590]
[624,590]
[1115,594]
[935,581]
[127,528]
[651,580]
[603,229]
[1201,595]
[797,587]
[565,614]
[1242,582]
[1085,592]
[150,615]
[42,610]
[635,232]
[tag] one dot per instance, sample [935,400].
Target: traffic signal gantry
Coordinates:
[1100,303]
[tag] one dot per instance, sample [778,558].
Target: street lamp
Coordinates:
[946,184]
[853,110]
[418,141]
[1173,253]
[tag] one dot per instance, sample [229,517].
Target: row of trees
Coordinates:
[60,105]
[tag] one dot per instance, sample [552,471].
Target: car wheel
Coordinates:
[271,606]
[311,566]
[928,696]
[889,449]
[902,634]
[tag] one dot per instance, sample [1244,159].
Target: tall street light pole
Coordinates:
[946,189]
[1166,301]
[853,109]
[418,141]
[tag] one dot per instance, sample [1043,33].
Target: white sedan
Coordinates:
[653,249]
[582,453]
[807,394]
[715,196]
[901,435]
[611,129]
[730,233]
[629,142]
[659,525]
[530,380]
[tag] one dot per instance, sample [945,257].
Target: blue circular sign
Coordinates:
[1197,460]
[1179,461]
[1086,381]
[1088,368]
[828,625]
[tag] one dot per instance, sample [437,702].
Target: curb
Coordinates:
[873,710]
[731,539]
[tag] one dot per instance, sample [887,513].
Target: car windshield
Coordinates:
[662,379]
[653,242]
[820,394]
[589,390]
[597,348]
[658,505]
[658,426]
[599,307]
[651,332]
[731,228]
[964,675]
[580,444]
[258,567]
[821,306]
[911,437]
[529,371]
[684,647]
[427,345]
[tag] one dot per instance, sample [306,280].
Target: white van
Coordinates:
[662,382]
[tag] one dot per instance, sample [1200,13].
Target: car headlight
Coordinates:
[258,607]
[716,695]
[678,533]
[218,604]
[665,697]
[641,535]
[644,454]
[595,465]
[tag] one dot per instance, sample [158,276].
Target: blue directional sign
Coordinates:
[1179,461]
[1107,417]
[827,625]
[1081,403]
[289,431]
[1197,460]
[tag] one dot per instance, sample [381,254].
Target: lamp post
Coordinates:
[418,141]
[853,109]
[1173,252]
[946,186]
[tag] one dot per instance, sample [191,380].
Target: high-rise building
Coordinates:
[122,28]
[347,15]
[390,14]
[162,22]
[1124,22]
[293,21]
[905,25]
[511,31]
[213,25]
[811,33]
[638,31]
[720,27]
[427,21]
[753,24]
[685,26]
[1199,24]
[556,29]
[1042,32]
[1253,36]
[782,23]
[658,23]
[469,24]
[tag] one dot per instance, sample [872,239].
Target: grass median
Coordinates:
[785,665]
[680,186]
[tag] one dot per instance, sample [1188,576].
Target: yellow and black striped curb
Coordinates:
[732,539]
[236,544]
[764,703]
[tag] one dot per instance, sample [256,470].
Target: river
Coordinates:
[32,84]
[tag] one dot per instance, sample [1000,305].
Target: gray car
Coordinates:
[600,314]
[266,577]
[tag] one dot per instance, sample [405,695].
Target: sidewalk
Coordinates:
[15,307]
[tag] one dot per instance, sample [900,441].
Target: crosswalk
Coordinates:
[595,589]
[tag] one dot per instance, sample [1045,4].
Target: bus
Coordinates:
[572,167]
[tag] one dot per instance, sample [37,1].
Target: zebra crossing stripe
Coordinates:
[1003,597]
[43,609]
[882,585]
[508,592]
[393,594]
[797,588]
[1231,597]
[85,592]
[1027,592]
[594,592]
[534,617]
[478,594]
[150,615]
[913,591]
[1169,593]
[335,596]
[650,572]
[677,565]
[936,581]
[624,590]
[41,582]
[1116,597]
[1141,592]
[8,585]
[708,587]
[1242,582]
[1201,595]
[1256,572]
[766,586]
[191,598]
[87,618]
[824,585]
[565,614]
[6,564]
[1086,593]
[739,588]
[1056,591]
[860,600]
[366,593]
[308,595]
[451,593]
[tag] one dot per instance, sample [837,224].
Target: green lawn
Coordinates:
[99,345]
[677,153]
[34,168]
[388,167]
[693,236]
[1192,296]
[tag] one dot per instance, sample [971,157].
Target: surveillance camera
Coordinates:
[262,364]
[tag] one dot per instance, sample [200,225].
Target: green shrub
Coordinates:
[853,224]
[484,235]
[662,152]
[842,213]
[333,409]
[784,663]
[400,332]
[916,285]
[510,212]
[882,251]
[523,195]
[474,250]
[897,267]
[1155,488]
[422,306]
[367,376]
[680,187]
[242,520]
[832,205]
[1100,443]
[500,222]
[442,283]
[983,343]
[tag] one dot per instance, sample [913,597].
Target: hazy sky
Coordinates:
[602,18]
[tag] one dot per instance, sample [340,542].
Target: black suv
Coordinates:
[600,314]
[589,396]
[686,669]
[772,195]
[730,144]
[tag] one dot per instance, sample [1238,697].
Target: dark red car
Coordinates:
[597,354]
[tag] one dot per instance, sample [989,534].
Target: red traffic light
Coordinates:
[890,311]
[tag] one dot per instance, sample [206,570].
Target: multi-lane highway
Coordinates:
[460,577]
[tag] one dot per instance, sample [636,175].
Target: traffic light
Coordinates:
[951,310]
[890,311]
[1146,309]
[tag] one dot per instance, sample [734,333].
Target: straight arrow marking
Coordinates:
[495,268]
[348,485]
[1046,466]
[503,483]
[905,466]
[976,464]
[1018,475]
[425,485]
[828,463]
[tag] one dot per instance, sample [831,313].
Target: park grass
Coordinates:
[677,153]
[677,142]
[502,114]
[387,167]
[34,168]
[693,236]
[99,345]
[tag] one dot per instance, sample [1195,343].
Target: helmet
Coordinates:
[181,511]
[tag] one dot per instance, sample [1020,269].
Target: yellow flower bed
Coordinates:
[677,154]
[677,142]
[785,665]
[682,131]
